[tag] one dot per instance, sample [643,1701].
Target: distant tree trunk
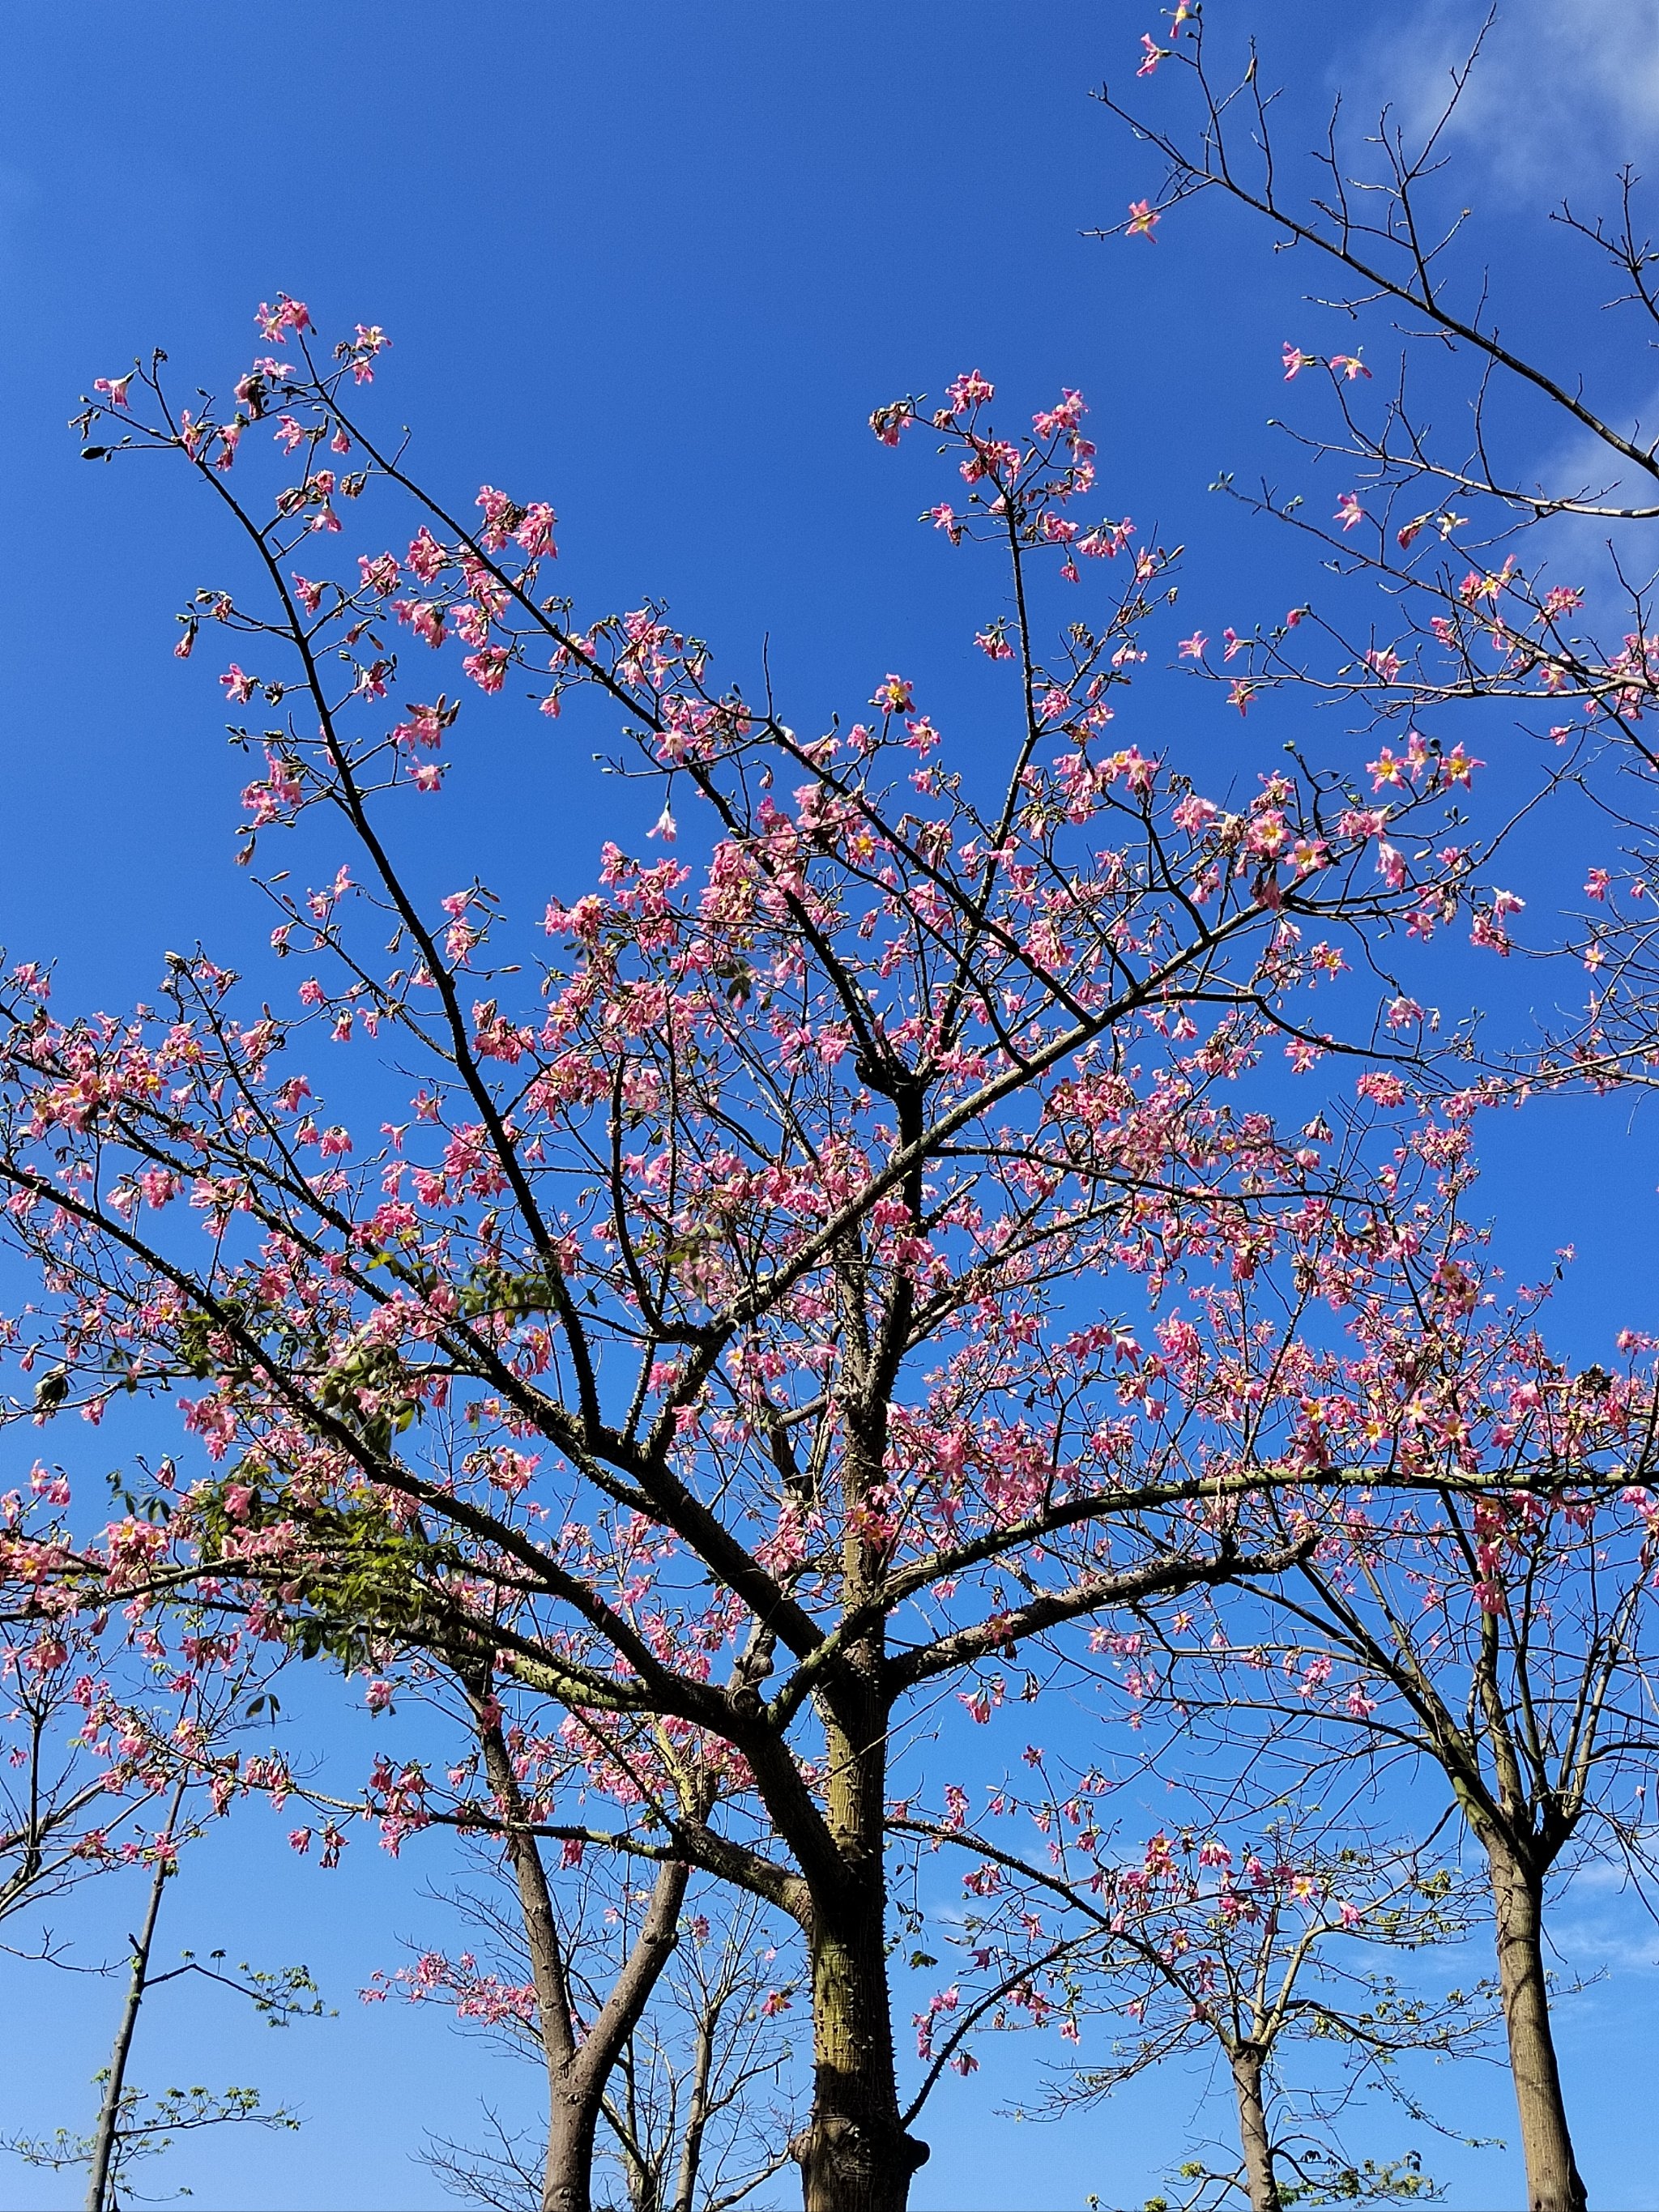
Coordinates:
[696,2119]
[577,2073]
[101,2187]
[1254,2139]
[1553,2183]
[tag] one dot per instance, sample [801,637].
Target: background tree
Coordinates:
[1246,1936]
[1499,567]
[1497,1635]
[695,2113]
[131,2127]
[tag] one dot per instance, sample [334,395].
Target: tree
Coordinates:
[131,2127]
[1497,1634]
[682,2110]
[1242,1935]
[1463,577]
[587,1990]
[704,1345]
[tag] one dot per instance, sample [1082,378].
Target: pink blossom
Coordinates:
[287,315]
[968,391]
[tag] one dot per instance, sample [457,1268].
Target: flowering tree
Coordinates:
[123,1729]
[1499,1634]
[1475,583]
[1193,1942]
[710,1339]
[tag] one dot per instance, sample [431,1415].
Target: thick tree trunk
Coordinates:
[567,2171]
[1254,2139]
[1553,2183]
[855,2154]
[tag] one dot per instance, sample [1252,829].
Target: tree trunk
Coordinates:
[568,2173]
[100,2184]
[855,2154]
[1553,2183]
[577,2073]
[1253,2136]
[578,2083]
[696,2119]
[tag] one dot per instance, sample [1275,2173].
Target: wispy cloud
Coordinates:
[1564,94]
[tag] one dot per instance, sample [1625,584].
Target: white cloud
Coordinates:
[1564,92]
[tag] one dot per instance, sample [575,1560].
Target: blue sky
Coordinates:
[658,263]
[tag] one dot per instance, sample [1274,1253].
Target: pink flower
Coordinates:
[1142,217]
[1192,648]
[535,533]
[1348,510]
[114,388]
[499,513]
[1296,361]
[488,667]
[427,559]
[240,686]
[287,315]
[1348,366]
[970,392]
[1381,1087]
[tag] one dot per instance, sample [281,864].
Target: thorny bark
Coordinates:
[856,2153]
